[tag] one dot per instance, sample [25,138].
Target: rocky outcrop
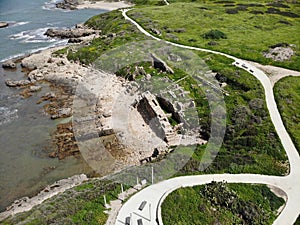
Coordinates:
[17,83]
[70,33]
[3,24]
[9,65]
[279,53]
[64,141]
[68,4]
[160,64]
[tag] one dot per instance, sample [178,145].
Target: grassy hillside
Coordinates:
[249,28]
[83,204]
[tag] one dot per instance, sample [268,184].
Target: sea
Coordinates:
[25,130]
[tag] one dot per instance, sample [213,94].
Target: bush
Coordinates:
[215,34]
[232,11]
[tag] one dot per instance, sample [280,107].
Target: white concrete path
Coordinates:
[155,194]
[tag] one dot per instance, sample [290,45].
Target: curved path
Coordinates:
[155,194]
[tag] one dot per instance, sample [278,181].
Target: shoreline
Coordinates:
[103,5]
[25,204]
[88,4]
[40,57]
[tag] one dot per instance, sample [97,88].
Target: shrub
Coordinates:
[232,11]
[215,34]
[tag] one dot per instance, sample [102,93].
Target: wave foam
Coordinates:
[33,36]
[7,115]
[16,24]
[55,44]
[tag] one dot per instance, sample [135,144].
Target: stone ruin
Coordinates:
[155,117]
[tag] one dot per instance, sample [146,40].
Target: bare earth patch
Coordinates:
[275,73]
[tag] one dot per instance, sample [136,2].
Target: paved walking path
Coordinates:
[156,193]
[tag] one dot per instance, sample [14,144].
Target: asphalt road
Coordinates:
[290,184]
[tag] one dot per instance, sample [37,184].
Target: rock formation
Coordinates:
[3,24]
[160,64]
[17,83]
[70,33]
[279,53]
[68,4]
[9,65]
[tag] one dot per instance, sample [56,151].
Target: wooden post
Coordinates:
[122,191]
[105,203]
[152,176]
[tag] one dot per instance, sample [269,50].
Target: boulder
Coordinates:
[62,113]
[155,31]
[148,76]
[3,24]
[9,65]
[17,83]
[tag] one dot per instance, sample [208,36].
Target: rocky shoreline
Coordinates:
[25,203]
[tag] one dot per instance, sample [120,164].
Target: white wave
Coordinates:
[16,24]
[54,24]
[12,57]
[33,36]
[55,44]
[7,115]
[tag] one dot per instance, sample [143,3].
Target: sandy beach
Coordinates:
[103,5]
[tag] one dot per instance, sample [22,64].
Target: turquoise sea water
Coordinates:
[29,20]
[25,167]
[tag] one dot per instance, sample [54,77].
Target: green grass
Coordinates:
[83,204]
[287,95]
[248,34]
[251,144]
[221,203]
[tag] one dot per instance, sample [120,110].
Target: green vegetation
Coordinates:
[83,204]
[222,203]
[116,32]
[250,31]
[251,144]
[297,221]
[287,95]
[215,34]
